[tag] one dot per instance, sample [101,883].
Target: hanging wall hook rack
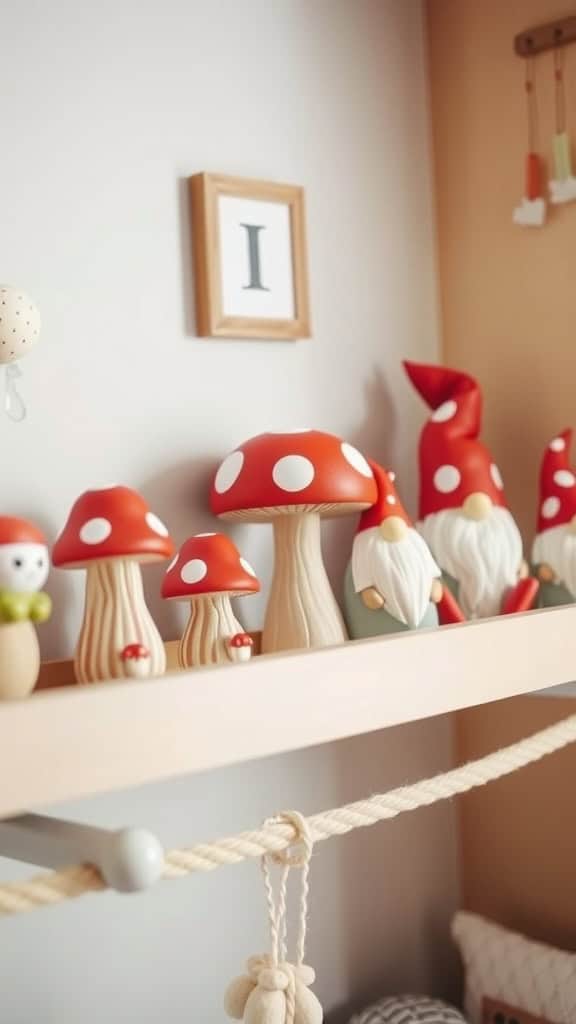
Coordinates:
[129,860]
[546,37]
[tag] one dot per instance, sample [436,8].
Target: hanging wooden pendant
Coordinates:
[563,184]
[531,212]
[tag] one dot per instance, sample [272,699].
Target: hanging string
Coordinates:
[531,105]
[14,406]
[297,855]
[559,90]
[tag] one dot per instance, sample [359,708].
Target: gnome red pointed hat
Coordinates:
[387,502]
[557,484]
[453,462]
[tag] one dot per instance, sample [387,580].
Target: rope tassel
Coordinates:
[275,991]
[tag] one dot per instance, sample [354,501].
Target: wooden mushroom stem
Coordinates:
[211,625]
[302,610]
[115,616]
[19,659]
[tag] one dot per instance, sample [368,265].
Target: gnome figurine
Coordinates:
[554,550]
[463,513]
[392,583]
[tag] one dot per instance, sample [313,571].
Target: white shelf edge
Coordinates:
[78,741]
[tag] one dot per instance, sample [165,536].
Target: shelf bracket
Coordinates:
[129,860]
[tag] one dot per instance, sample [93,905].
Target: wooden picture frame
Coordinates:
[250,258]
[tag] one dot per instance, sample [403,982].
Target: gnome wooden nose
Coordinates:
[477,506]
[393,528]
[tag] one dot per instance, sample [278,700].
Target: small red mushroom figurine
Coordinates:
[109,533]
[207,572]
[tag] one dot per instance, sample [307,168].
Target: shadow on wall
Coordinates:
[179,495]
[398,879]
[186,258]
[380,420]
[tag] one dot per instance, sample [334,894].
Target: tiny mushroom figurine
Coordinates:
[554,550]
[136,659]
[291,480]
[241,647]
[109,533]
[392,582]
[24,565]
[207,572]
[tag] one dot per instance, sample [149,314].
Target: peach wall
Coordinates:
[508,299]
[508,293]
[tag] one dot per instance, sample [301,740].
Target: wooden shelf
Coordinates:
[74,741]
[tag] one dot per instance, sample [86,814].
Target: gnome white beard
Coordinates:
[557,548]
[483,556]
[402,571]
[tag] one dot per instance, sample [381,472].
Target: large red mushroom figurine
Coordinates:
[109,533]
[292,480]
[207,572]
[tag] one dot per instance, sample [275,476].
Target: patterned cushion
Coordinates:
[532,980]
[409,1010]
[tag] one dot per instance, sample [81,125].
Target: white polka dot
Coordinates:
[95,531]
[496,476]
[293,473]
[390,499]
[564,478]
[247,567]
[204,535]
[445,411]
[229,472]
[557,445]
[193,571]
[550,507]
[172,563]
[355,459]
[446,479]
[392,475]
[156,524]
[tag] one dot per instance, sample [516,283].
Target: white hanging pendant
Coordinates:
[19,331]
[563,184]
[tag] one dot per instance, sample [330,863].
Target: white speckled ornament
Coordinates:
[19,332]
[19,324]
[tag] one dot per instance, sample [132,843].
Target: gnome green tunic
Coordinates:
[391,583]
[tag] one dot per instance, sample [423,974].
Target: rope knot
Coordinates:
[299,851]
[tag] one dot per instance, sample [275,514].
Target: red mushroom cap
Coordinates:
[19,531]
[241,640]
[109,524]
[209,564]
[133,652]
[276,474]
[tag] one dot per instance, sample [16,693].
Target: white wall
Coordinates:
[107,108]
